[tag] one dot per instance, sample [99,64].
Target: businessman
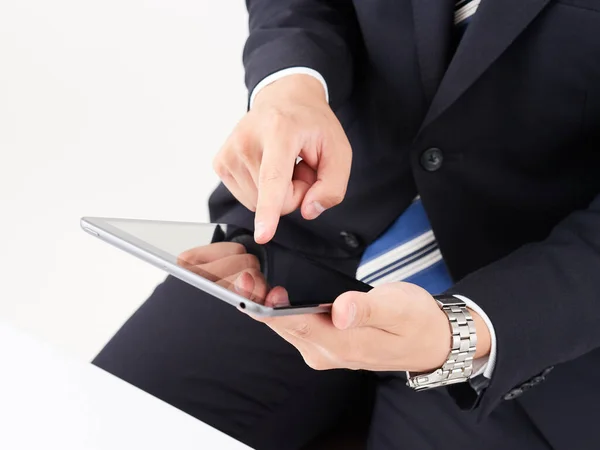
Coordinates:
[448,153]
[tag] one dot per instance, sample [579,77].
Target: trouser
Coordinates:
[235,374]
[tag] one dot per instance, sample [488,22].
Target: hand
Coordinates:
[394,327]
[290,118]
[228,265]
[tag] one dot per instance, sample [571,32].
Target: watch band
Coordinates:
[459,365]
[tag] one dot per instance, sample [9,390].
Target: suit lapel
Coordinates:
[433,28]
[495,25]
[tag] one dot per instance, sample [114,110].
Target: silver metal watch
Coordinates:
[459,365]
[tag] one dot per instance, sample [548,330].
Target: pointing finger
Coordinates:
[274,181]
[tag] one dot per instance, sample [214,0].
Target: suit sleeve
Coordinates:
[317,34]
[543,300]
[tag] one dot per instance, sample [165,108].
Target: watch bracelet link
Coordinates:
[459,365]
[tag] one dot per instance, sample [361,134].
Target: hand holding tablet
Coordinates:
[229,265]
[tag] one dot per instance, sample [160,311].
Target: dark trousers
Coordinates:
[213,362]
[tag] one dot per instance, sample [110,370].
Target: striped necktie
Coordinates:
[463,13]
[407,250]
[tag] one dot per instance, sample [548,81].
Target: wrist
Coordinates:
[300,88]
[484,339]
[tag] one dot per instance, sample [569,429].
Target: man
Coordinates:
[472,127]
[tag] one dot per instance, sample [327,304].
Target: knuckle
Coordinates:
[241,144]
[245,152]
[220,167]
[241,138]
[278,118]
[251,261]
[300,330]
[256,274]
[237,249]
[270,175]
[335,198]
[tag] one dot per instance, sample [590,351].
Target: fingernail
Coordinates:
[237,284]
[259,230]
[315,209]
[280,299]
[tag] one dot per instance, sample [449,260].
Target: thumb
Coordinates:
[358,309]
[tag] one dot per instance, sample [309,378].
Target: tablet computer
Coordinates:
[224,261]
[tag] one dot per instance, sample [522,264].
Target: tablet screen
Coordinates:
[227,255]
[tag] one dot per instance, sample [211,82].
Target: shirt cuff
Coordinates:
[284,73]
[483,366]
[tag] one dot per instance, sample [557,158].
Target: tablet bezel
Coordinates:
[101,228]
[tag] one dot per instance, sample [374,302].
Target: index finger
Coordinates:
[275,177]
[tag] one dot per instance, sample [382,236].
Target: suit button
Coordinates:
[527,385]
[513,394]
[432,159]
[350,240]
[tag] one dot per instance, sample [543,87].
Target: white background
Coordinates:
[112,108]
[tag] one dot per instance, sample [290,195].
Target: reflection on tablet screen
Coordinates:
[228,256]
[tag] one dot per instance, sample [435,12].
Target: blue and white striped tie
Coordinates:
[463,13]
[407,250]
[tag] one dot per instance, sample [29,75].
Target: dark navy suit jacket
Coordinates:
[514,204]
